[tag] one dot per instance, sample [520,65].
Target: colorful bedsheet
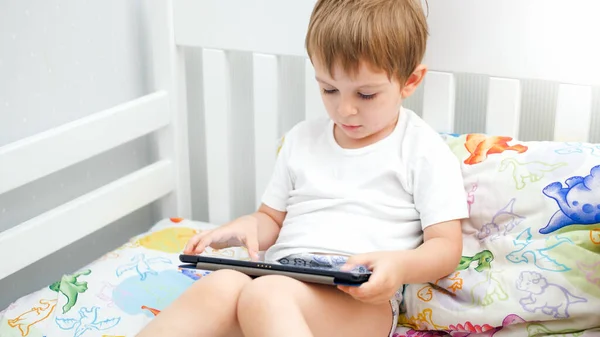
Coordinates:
[531,247]
[117,294]
[530,266]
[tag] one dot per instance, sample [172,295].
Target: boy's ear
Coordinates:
[414,80]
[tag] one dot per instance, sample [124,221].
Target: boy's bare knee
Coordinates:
[222,285]
[263,292]
[227,278]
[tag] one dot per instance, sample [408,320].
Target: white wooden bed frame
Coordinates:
[472,37]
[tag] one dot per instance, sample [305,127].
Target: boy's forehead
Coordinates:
[363,72]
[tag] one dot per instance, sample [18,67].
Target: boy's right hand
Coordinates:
[240,232]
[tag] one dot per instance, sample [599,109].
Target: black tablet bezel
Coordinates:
[339,277]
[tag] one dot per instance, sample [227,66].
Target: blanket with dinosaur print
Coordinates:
[117,294]
[531,256]
[530,265]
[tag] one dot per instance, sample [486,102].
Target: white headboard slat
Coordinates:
[503,107]
[438,101]
[30,240]
[48,152]
[169,74]
[266,119]
[573,113]
[217,108]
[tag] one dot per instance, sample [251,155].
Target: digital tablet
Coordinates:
[256,269]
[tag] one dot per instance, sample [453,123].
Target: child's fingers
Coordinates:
[193,242]
[211,239]
[355,261]
[359,295]
[251,243]
[206,240]
[220,245]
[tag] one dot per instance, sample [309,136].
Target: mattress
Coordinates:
[118,294]
[115,295]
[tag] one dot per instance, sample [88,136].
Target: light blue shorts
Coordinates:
[335,262]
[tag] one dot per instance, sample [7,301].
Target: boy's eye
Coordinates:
[363,96]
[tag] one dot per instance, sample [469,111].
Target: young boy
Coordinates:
[372,185]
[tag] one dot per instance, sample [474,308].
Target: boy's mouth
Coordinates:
[350,127]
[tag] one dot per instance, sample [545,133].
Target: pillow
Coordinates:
[531,256]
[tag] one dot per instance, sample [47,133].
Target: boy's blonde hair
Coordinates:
[389,35]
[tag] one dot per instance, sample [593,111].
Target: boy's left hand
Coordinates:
[385,280]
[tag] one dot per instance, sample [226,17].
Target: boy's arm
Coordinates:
[437,257]
[268,222]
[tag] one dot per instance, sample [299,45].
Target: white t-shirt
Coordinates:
[352,201]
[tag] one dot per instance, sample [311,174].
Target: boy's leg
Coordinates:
[281,306]
[207,308]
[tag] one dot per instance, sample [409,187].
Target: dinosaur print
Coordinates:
[71,288]
[26,320]
[475,291]
[457,283]
[226,252]
[491,290]
[88,321]
[503,222]
[469,329]
[194,274]
[539,329]
[422,321]
[156,291]
[575,147]
[595,236]
[168,240]
[154,312]
[480,146]
[579,202]
[471,196]
[141,265]
[485,330]
[536,251]
[591,271]
[425,294]
[483,259]
[551,299]
[105,294]
[530,171]
[419,333]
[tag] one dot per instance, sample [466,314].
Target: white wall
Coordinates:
[61,60]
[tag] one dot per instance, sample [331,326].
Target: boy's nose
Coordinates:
[346,108]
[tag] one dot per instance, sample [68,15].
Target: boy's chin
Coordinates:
[355,134]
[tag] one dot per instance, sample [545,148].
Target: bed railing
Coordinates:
[35,157]
[159,115]
[271,29]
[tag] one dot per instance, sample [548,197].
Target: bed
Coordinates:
[530,159]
